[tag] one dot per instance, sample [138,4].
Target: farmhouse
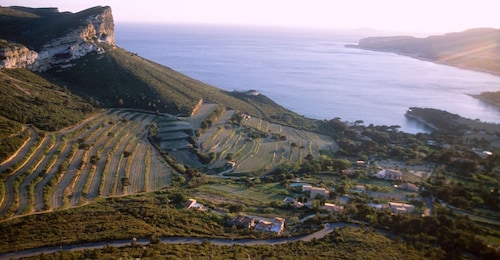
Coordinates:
[315,191]
[390,175]
[277,225]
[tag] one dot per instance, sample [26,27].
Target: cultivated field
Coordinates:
[106,155]
[109,155]
[263,154]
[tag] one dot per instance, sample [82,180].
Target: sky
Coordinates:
[422,16]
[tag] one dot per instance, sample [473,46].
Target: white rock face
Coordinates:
[16,56]
[59,52]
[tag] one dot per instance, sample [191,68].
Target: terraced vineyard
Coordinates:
[106,155]
[279,145]
[109,155]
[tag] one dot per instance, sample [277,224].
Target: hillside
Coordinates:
[77,108]
[475,49]
[76,52]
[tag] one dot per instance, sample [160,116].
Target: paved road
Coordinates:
[173,240]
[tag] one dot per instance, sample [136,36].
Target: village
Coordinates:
[308,197]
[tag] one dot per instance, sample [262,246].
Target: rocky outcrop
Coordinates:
[96,29]
[14,55]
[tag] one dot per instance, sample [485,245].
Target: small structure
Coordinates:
[401,207]
[243,221]
[292,202]
[333,208]
[192,204]
[390,175]
[277,225]
[408,186]
[316,191]
[306,188]
[252,93]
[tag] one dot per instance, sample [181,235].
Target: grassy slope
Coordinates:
[30,99]
[121,78]
[11,137]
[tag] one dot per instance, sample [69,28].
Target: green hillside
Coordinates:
[119,78]
[28,98]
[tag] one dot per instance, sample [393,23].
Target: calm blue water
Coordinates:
[312,73]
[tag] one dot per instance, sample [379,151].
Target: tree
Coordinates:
[229,157]
[341,164]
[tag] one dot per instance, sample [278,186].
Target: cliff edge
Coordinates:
[42,38]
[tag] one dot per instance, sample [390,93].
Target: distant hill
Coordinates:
[475,49]
[73,57]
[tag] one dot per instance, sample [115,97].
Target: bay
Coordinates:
[312,72]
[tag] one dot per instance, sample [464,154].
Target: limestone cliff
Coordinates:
[13,55]
[91,28]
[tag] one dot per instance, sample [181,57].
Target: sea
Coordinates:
[312,73]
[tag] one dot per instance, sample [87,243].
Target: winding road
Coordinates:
[329,227]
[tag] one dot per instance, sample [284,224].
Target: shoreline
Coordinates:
[491,72]
[421,120]
[495,104]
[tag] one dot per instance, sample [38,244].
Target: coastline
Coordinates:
[493,103]
[421,120]
[491,72]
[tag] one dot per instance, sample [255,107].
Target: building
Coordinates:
[401,207]
[390,175]
[292,202]
[277,225]
[243,221]
[315,191]
[408,186]
[333,208]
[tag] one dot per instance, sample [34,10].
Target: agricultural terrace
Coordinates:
[258,146]
[105,155]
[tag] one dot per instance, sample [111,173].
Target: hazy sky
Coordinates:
[393,15]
